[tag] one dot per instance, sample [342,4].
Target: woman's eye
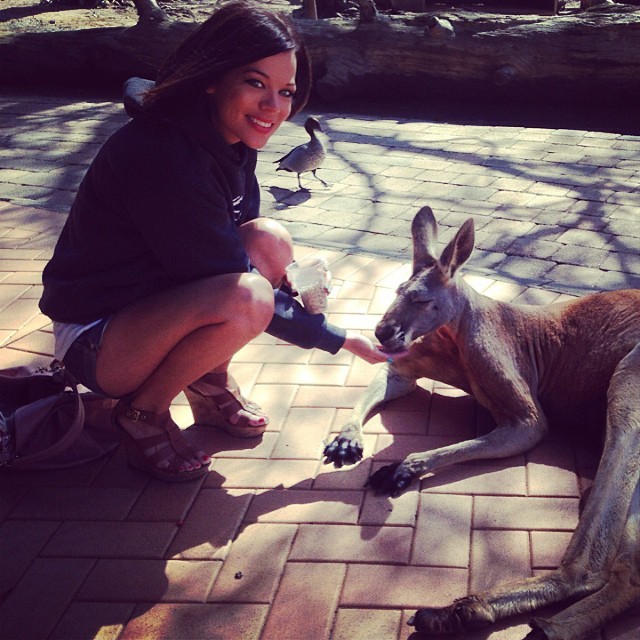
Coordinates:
[254,82]
[287,93]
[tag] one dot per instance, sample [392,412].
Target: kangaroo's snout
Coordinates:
[390,336]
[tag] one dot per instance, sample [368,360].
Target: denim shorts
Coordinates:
[81,357]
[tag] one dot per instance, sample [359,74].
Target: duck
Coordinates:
[305,157]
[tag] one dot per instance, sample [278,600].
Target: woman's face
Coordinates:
[251,102]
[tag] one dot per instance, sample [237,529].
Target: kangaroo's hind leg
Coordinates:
[620,592]
[607,530]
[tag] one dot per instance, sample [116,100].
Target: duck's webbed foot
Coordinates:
[466,614]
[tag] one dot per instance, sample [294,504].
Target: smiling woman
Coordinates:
[250,103]
[164,269]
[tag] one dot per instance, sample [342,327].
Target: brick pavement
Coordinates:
[274,544]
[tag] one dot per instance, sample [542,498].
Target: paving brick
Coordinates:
[393,448]
[551,471]
[383,510]
[264,474]
[20,544]
[343,543]
[443,531]
[220,444]
[133,580]
[254,564]
[498,556]
[306,601]
[303,433]
[333,397]
[197,621]
[97,620]
[41,590]
[275,400]
[19,312]
[398,422]
[548,547]
[305,506]
[76,503]
[400,586]
[77,539]
[525,513]
[210,525]
[452,414]
[343,478]
[176,500]
[479,479]
[366,624]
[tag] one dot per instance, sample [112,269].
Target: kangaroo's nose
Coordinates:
[385,332]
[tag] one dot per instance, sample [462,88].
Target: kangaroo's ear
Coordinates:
[457,252]
[425,233]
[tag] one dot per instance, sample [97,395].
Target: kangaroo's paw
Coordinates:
[343,451]
[391,480]
[465,614]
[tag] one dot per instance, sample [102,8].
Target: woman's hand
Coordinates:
[362,347]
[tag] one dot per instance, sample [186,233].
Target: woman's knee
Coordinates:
[269,246]
[254,301]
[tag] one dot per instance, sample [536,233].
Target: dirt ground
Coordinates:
[36,16]
[56,15]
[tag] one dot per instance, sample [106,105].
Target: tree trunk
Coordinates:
[593,56]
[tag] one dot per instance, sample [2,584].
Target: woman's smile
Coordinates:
[249,103]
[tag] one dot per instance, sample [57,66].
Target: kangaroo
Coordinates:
[575,362]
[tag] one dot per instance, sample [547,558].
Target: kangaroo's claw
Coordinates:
[391,480]
[466,614]
[343,451]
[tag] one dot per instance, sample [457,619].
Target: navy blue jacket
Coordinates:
[161,205]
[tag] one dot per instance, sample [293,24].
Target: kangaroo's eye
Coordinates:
[418,298]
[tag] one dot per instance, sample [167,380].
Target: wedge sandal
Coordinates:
[140,451]
[215,399]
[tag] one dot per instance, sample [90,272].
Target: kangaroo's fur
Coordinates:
[531,367]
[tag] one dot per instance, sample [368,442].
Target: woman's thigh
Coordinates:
[139,337]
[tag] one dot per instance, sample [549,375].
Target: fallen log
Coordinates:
[591,56]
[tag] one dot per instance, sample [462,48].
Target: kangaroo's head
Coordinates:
[429,299]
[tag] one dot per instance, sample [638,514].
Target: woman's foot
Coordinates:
[156,445]
[216,400]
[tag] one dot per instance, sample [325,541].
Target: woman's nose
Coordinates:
[270,101]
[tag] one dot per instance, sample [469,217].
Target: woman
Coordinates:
[164,270]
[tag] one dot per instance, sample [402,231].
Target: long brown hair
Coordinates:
[237,33]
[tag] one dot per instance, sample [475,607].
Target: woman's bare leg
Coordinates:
[269,246]
[270,249]
[154,348]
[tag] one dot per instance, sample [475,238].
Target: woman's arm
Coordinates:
[293,324]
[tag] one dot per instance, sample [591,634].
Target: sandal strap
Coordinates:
[227,396]
[171,438]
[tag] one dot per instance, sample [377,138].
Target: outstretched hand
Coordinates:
[364,348]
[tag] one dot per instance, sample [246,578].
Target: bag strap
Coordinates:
[75,428]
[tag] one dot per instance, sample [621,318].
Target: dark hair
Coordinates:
[238,32]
